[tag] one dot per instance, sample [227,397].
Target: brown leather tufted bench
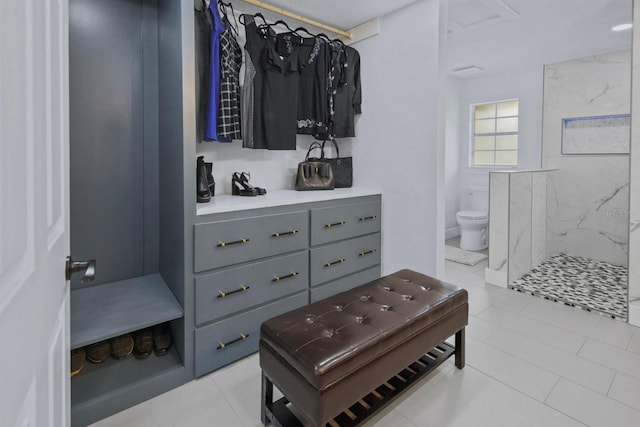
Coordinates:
[349,354]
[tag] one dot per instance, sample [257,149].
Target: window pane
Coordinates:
[509,108]
[495,134]
[483,157]
[506,142]
[485,111]
[508,125]
[509,158]
[483,143]
[485,126]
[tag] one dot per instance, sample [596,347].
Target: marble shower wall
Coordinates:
[634,216]
[517,223]
[588,196]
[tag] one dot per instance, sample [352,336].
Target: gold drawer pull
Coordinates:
[335,224]
[278,278]
[332,263]
[242,288]
[366,218]
[369,252]
[222,345]
[225,244]
[286,233]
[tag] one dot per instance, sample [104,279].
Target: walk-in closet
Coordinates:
[134,146]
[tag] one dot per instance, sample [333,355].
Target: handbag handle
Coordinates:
[313,146]
[335,144]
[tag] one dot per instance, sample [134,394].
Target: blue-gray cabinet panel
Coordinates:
[344,284]
[112,309]
[329,262]
[344,221]
[226,292]
[224,243]
[221,343]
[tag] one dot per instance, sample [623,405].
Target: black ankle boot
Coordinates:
[203,194]
[210,182]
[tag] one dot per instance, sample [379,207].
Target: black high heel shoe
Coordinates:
[239,188]
[244,177]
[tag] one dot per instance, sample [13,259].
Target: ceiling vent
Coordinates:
[468,14]
[466,71]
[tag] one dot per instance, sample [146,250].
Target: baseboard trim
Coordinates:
[497,278]
[634,314]
[450,233]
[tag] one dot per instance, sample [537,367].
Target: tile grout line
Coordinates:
[604,396]
[558,410]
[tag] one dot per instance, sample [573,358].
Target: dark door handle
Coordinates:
[86,267]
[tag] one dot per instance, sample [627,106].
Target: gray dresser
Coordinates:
[253,263]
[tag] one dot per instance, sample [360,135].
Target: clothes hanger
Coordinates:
[281,22]
[321,35]
[223,8]
[257,15]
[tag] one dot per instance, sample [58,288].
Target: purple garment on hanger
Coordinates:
[214,76]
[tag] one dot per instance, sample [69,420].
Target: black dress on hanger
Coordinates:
[280,94]
[348,96]
[312,109]
[255,45]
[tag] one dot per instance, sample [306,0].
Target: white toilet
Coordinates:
[474,222]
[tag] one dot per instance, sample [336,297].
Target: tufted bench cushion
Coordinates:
[344,346]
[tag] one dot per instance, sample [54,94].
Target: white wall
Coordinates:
[453,168]
[399,146]
[523,84]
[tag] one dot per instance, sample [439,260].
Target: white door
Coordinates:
[34,220]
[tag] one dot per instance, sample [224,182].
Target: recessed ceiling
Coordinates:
[534,32]
[494,35]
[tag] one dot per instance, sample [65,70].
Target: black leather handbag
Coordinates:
[313,173]
[342,167]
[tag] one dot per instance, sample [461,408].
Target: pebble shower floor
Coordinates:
[579,282]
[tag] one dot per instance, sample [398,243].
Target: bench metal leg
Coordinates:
[267,398]
[460,349]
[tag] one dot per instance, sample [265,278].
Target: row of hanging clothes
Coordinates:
[282,83]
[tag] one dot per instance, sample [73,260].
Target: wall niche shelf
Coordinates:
[111,309]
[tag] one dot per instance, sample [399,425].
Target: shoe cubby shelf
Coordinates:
[102,389]
[111,309]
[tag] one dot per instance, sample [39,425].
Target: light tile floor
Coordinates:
[530,362]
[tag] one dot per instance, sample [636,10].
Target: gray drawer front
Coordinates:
[219,244]
[220,294]
[339,259]
[208,339]
[344,284]
[343,222]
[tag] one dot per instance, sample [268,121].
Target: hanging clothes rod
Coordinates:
[299,18]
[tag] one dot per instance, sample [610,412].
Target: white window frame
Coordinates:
[472,134]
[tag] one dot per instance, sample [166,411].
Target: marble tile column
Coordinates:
[517,224]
